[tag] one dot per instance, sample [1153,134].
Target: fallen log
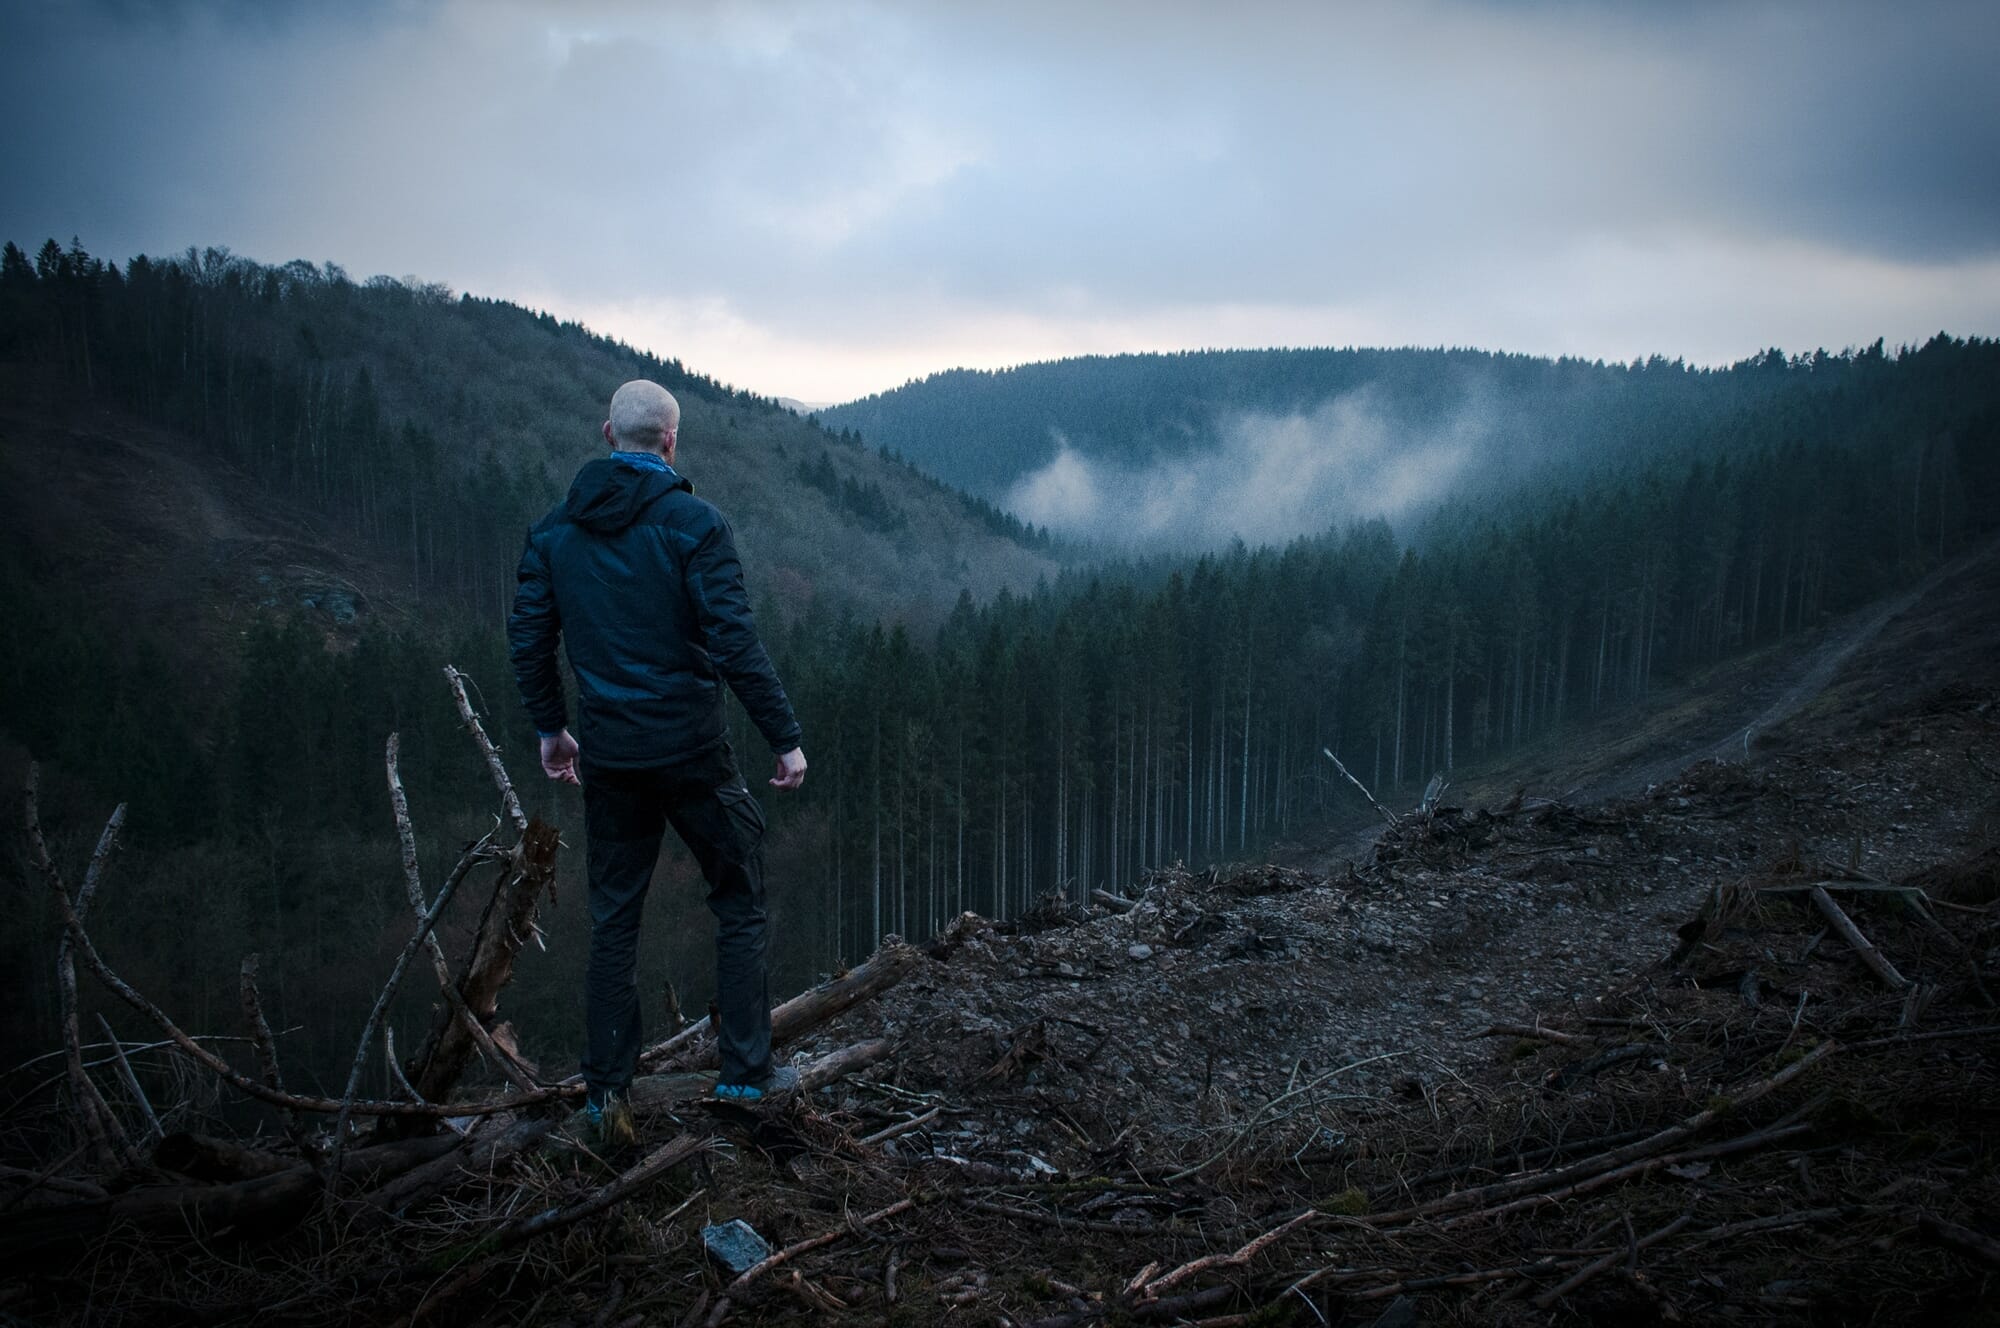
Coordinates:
[661,1092]
[502,1139]
[836,1065]
[253,1209]
[801,1014]
[482,1252]
[26,1182]
[202,1157]
[1963,1240]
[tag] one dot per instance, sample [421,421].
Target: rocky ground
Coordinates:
[1215,991]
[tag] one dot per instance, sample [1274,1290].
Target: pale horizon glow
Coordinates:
[825,201]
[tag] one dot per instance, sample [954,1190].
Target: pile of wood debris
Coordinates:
[1693,1056]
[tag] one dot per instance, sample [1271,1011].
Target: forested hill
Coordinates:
[428,430]
[1161,451]
[183,420]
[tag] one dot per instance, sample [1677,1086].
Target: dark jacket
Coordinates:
[641,578]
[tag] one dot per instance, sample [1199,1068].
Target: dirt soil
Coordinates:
[1520,1060]
[1166,1028]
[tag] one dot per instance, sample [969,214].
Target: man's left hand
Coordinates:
[559,752]
[791,770]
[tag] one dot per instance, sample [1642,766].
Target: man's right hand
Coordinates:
[559,752]
[791,770]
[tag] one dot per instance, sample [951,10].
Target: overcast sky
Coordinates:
[823,200]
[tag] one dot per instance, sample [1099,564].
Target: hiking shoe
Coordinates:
[610,1123]
[781,1080]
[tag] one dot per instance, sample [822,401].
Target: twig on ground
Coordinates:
[35,1180]
[1538,1033]
[1962,1239]
[1877,962]
[902,1127]
[1243,1131]
[1592,1269]
[653,1166]
[793,1251]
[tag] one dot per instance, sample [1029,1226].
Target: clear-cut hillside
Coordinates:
[422,433]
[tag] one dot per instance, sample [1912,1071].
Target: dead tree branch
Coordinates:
[525,873]
[1877,962]
[243,1083]
[794,1250]
[425,924]
[101,1128]
[1387,815]
[1502,1197]
[808,1010]
[265,1204]
[494,764]
[131,1080]
[413,889]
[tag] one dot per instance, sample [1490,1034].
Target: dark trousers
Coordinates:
[626,813]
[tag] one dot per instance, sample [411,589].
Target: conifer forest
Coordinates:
[1053,737]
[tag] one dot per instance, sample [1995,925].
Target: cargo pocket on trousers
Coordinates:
[744,817]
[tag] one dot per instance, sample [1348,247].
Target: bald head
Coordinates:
[644,417]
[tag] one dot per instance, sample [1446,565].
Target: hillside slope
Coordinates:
[1607,1059]
[1157,450]
[426,431]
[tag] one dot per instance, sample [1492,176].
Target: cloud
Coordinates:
[1266,479]
[902,186]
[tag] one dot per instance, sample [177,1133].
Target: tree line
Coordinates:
[1531,419]
[1073,737]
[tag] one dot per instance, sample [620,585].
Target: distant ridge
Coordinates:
[1342,433]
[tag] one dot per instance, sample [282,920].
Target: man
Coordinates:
[640,577]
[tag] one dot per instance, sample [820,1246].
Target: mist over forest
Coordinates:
[1261,478]
[1141,454]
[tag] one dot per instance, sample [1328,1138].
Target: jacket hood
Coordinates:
[608,495]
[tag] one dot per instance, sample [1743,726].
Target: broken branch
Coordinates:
[1387,815]
[793,1251]
[1877,962]
[494,764]
[413,889]
[101,1128]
